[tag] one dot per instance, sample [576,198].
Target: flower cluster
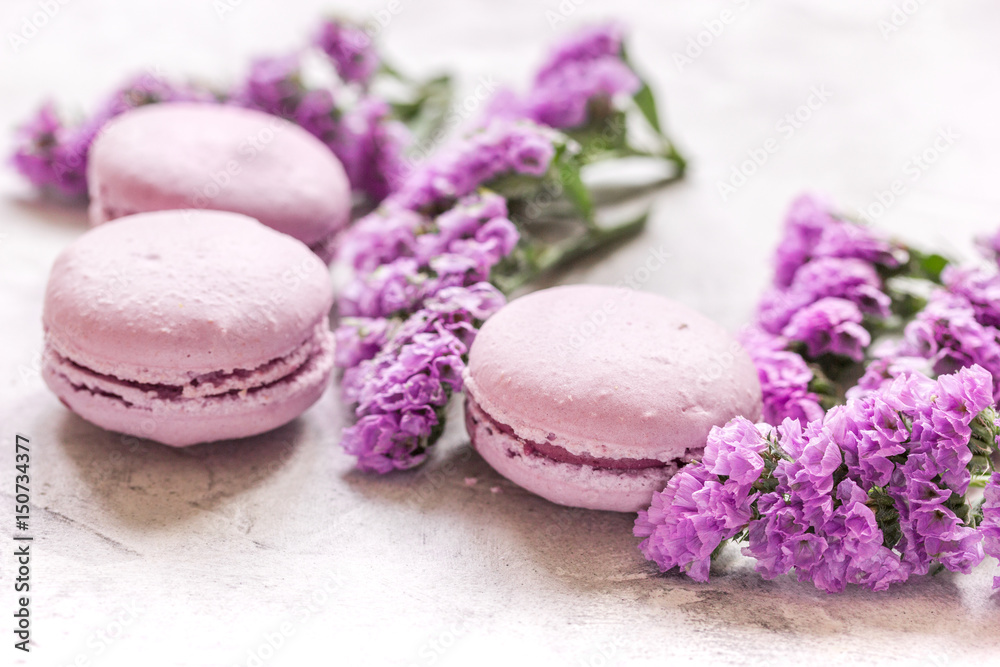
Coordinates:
[401,390]
[990,521]
[443,231]
[404,257]
[587,88]
[869,494]
[501,147]
[359,129]
[579,80]
[419,293]
[350,49]
[958,327]
[785,378]
[52,154]
[828,289]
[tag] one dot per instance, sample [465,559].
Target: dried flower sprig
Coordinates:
[504,203]
[837,289]
[869,494]
[368,132]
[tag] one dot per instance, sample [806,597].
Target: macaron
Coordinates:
[187,327]
[186,155]
[594,396]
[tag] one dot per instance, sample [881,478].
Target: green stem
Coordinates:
[615,195]
[564,253]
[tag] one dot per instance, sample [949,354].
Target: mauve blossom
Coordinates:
[350,49]
[830,326]
[812,231]
[50,153]
[406,384]
[414,257]
[577,83]
[820,500]
[784,378]
[827,298]
[990,526]
[459,168]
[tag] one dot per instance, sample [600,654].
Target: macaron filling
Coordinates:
[555,452]
[558,454]
[138,393]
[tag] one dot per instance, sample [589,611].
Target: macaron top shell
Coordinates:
[211,156]
[610,373]
[196,292]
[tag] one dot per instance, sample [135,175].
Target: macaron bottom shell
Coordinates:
[564,483]
[181,421]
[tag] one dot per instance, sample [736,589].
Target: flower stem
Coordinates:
[553,256]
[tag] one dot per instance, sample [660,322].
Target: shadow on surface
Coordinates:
[145,483]
[594,554]
[57,211]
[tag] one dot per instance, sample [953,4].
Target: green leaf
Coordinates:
[646,103]
[576,191]
[644,98]
[933,265]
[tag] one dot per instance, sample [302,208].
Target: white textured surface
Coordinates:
[208,552]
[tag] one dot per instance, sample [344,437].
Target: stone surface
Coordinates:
[150,555]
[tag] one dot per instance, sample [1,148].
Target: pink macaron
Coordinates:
[187,326]
[209,156]
[593,396]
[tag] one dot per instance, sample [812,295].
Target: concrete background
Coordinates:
[216,554]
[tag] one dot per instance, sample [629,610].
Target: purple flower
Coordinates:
[51,154]
[989,529]
[980,288]
[370,144]
[379,444]
[868,495]
[568,96]
[592,43]
[778,539]
[458,169]
[734,452]
[390,289]
[350,49]
[416,257]
[317,113]
[881,372]
[851,279]
[385,235]
[784,378]
[274,86]
[811,232]
[828,290]
[947,333]
[697,510]
[402,389]
[46,154]
[577,83]
[830,326]
[878,441]
[359,339]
